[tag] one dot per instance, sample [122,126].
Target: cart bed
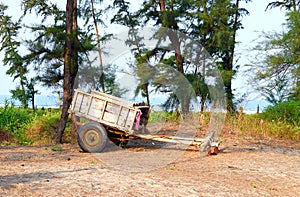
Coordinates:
[106,109]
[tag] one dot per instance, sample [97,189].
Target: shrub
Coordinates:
[42,128]
[287,112]
[257,126]
[30,127]
[164,116]
[14,120]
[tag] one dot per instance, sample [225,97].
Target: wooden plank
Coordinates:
[169,139]
[103,122]
[80,105]
[113,99]
[119,114]
[131,118]
[96,108]
[104,109]
[84,104]
[89,105]
[74,100]
[123,119]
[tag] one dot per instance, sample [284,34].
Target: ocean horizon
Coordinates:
[40,101]
[51,101]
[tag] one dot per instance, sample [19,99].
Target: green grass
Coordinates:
[258,126]
[55,148]
[28,127]
[287,112]
[282,124]
[14,120]
[163,116]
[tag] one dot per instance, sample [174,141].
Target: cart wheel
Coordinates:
[92,137]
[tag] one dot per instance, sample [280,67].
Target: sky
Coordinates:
[259,20]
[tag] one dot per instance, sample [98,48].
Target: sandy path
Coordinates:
[241,169]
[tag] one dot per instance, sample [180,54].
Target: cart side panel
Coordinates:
[126,117]
[111,112]
[123,114]
[119,115]
[113,99]
[96,108]
[87,106]
[131,118]
[81,103]
[104,110]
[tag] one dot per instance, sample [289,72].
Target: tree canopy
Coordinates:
[63,39]
[278,71]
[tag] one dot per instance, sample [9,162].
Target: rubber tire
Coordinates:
[90,131]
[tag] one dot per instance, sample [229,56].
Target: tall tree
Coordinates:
[99,47]
[164,14]
[18,68]
[213,23]
[70,65]
[278,70]
[285,4]
[60,46]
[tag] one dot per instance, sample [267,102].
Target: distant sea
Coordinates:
[40,101]
[52,102]
[250,107]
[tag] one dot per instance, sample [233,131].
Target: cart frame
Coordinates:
[115,118]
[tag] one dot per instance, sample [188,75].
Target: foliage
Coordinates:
[42,128]
[164,116]
[286,4]
[47,49]
[265,125]
[29,127]
[17,65]
[256,125]
[56,148]
[278,68]
[61,46]
[15,120]
[88,79]
[287,112]
[211,23]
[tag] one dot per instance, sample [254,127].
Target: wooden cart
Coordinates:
[110,117]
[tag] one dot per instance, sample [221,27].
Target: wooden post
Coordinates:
[58,99]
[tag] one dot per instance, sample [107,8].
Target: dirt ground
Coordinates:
[244,167]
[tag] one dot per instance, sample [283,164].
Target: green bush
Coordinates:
[14,120]
[42,128]
[256,125]
[31,127]
[164,116]
[287,112]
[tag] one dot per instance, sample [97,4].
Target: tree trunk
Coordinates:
[162,5]
[229,63]
[294,5]
[227,79]
[70,66]
[32,99]
[147,93]
[99,48]
[172,34]
[176,44]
